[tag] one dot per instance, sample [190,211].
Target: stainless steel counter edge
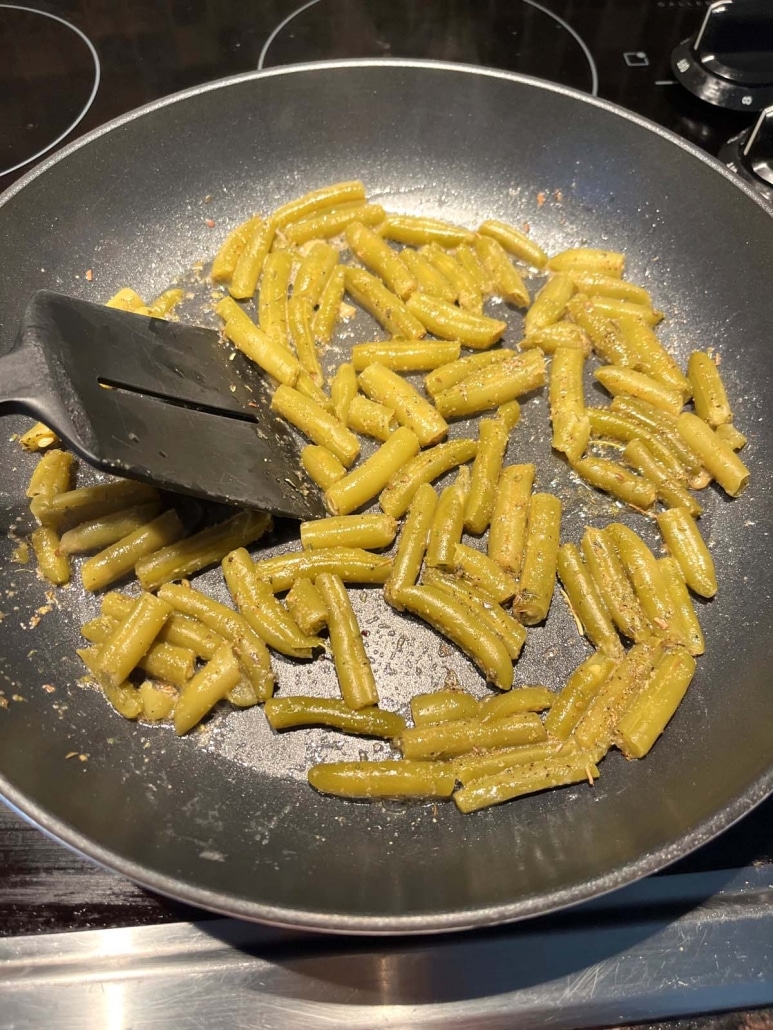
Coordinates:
[669,946]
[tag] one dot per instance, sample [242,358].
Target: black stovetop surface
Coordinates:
[114,55]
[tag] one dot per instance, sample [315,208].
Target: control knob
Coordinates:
[750,155]
[729,62]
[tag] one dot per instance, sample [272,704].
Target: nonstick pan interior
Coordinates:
[224,818]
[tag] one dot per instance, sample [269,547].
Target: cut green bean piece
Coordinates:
[207,687]
[557,771]
[650,711]
[443,706]
[538,573]
[683,539]
[507,531]
[614,586]
[285,713]
[355,675]
[448,739]
[694,640]
[587,603]
[423,468]
[412,546]
[570,704]
[386,779]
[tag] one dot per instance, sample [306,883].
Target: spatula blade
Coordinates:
[166,403]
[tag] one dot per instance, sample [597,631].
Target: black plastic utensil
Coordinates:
[154,400]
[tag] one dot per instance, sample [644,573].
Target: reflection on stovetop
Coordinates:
[621,50]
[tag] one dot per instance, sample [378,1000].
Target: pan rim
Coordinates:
[422,923]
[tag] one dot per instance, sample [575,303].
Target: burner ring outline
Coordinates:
[594,75]
[95,86]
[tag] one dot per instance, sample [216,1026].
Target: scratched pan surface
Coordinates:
[224,818]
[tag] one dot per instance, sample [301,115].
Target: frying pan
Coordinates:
[224,818]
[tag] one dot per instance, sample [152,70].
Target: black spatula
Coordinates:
[158,401]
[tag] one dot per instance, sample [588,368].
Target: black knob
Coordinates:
[729,62]
[750,155]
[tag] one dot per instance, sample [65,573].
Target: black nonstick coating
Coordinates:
[224,819]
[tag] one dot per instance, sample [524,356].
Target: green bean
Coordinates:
[385,779]
[307,607]
[561,334]
[231,250]
[489,763]
[448,739]
[157,701]
[474,267]
[448,523]
[423,468]
[507,531]
[449,375]
[316,423]
[443,706]
[730,435]
[355,675]
[651,356]
[321,465]
[121,557]
[615,308]
[619,426]
[493,435]
[290,712]
[647,581]
[556,771]
[124,649]
[615,479]
[494,385]
[91,502]
[370,532]
[680,598]
[602,714]
[614,586]
[38,438]
[99,533]
[515,702]
[652,708]
[405,355]
[331,223]
[418,230]
[506,281]
[515,241]
[538,572]
[314,272]
[328,198]
[299,318]
[428,279]
[720,459]
[451,618]
[587,603]
[451,323]
[670,491]
[588,259]
[570,704]
[249,265]
[181,630]
[52,563]
[636,384]
[481,608]
[463,284]
[181,560]
[571,425]
[51,475]
[549,304]
[272,299]
[379,257]
[248,647]
[605,335]
[477,568]
[385,387]
[372,475]
[352,564]
[262,611]
[323,324]
[412,545]
[385,306]
[596,284]
[207,687]
[661,430]
[683,539]
[371,418]
[260,348]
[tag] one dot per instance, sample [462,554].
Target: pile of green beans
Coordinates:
[478,561]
